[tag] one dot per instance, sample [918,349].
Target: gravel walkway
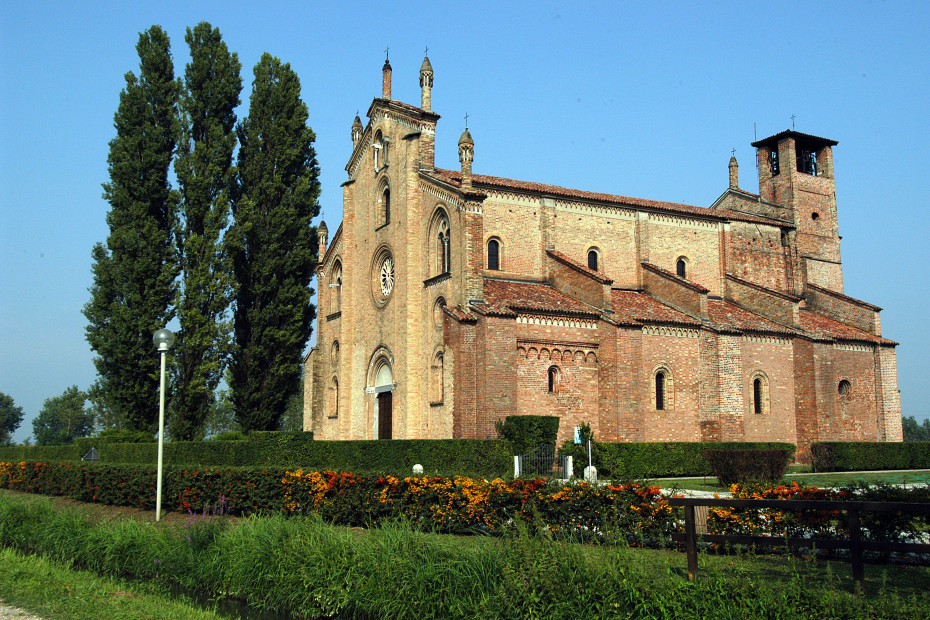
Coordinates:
[9,613]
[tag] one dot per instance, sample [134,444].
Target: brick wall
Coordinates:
[888,396]
[757,255]
[773,357]
[671,237]
[852,417]
[681,355]
[578,227]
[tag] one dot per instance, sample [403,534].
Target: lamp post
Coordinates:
[163,339]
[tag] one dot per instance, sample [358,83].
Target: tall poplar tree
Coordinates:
[273,246]
[205,174]
[134,273]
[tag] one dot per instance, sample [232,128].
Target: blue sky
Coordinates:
[639,99]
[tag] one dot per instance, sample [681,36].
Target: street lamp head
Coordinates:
[163,339]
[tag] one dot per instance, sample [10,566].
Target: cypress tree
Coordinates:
[205,174]
[134,273]
[272,245]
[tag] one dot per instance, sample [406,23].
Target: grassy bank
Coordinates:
[304,567]
[54,590]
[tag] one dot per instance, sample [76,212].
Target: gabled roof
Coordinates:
[507,297]
[725,315]
[824,328]
[454,178]
[851,300]
[636,308]
[772,141]
[405,107]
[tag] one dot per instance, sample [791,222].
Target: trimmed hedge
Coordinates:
[621,461]
[477,457]
[869,455]
[733,466]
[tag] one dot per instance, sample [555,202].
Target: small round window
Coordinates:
[844,388]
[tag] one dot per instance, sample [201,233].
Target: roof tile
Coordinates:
[507,297]
[454,178]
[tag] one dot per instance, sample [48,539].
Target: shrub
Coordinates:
[526,432]
[732,466]
[866,455]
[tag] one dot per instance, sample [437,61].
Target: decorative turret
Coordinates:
[734,173]
[322,236]
[466,155]
[426,83]
[357,130]
[386,80]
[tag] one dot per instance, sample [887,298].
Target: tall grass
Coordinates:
[306,568]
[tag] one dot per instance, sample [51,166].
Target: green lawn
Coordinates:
[709,483]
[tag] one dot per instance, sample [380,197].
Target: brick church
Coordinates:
[448,300]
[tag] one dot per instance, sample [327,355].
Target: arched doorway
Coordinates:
[384,407]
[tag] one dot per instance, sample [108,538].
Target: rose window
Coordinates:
[387,276]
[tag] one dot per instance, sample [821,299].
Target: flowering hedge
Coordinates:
[459,504]
[631,511]
[884,526]
[443,504]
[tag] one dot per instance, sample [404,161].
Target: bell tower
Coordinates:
[796,172]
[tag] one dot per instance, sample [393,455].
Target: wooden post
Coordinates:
[855,548]
[691,543]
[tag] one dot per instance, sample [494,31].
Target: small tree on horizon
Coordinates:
[273,246]
[914,431]
[62,419]
[11,417]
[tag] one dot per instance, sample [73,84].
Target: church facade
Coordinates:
[449,300]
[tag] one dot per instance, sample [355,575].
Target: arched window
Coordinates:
[386,206]
[379,148]
[334,399]
[681,268]
[760,404]
[663,389]
[660,391]
[335,283]
[436,384]
[553,376]
[592,259]
[494,254]
[443,250]
[439,246]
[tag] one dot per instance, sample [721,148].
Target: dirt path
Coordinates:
[10,613]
